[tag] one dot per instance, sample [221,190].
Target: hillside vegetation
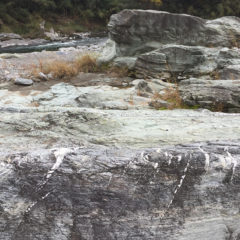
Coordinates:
[24,16]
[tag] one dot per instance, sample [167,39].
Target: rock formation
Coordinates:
[174,47]
[183,192]
[90,158]
[137,31]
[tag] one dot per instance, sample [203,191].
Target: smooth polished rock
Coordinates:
[23,81]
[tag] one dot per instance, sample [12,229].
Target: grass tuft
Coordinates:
[60,69]
[87,63]
[172,96]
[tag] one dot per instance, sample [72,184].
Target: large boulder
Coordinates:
[136,31]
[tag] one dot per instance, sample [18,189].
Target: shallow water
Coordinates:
[53,46]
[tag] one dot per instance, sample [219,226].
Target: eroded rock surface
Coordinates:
[75,172]
[104,115]
[182,192]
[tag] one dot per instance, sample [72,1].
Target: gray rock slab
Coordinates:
[211,94]
[186,192]
[61,126]
[178,59]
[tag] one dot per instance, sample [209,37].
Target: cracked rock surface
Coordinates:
[181,192]
[72,170]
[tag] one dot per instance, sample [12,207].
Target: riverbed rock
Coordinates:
[211,94]
[90,159]
[188,192]
[23,81]
[73,168]
[177,47]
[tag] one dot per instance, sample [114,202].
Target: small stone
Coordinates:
[50,76]
[23,81]
[143,86]
[43,76]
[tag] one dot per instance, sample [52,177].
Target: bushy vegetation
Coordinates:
[24,16]
[203,8]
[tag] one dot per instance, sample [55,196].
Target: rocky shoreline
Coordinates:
[98,156]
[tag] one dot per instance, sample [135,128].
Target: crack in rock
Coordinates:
[59,156]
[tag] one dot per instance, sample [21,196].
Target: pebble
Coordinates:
[23,81]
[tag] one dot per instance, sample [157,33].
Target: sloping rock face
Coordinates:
[184,192]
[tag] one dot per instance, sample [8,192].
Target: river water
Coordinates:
[55,45]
